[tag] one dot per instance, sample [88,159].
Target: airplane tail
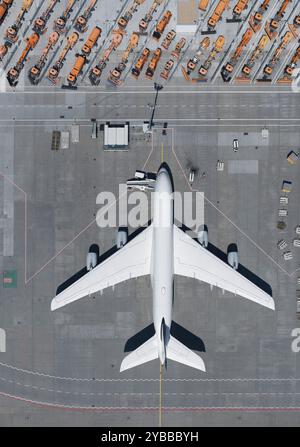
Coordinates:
[178,352]
[143,354]
[175,350]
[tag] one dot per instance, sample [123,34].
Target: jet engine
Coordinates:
[203,236]
[92,257]
[122,237]
[232,256]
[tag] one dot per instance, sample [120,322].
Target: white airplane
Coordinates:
[162,250]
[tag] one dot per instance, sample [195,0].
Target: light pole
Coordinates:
[157,87]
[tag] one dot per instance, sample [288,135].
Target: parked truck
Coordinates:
[40,23]
[91,41]
[153,63]
[227,69]
[115,74]
[217,14]
[14,73]
[76,69]
[55,69]
[4,7]
[35,71]
[124,19]
[161,25]
[139,65]
[61,21]
[82,21]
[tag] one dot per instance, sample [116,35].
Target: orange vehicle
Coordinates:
[40,23]
[140,63]
[168,39]
[256,20]
[11,34]
[217,14]
[96,72]
[227,70]
[297,21]
[123,21]
[14,73]
[144,22]
[81,22]
[286,39]
[167,69]
[76,69]
[247,68]
[35,71]
[4,7]
[272,27]
[91,41]
[153,63]
[161,26]
[60,22]
[203,5]
[240,7]
[178,48]
[55,69]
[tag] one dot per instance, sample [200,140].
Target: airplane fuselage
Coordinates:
[162,260]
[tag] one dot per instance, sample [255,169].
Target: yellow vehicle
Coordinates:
[217,47]
[91,41]
[153,63]
[76,69]
[247,68]
[140,63]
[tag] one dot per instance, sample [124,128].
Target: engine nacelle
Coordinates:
[122,237]
[203,236]
[92,257]
[232,256]
[91,260]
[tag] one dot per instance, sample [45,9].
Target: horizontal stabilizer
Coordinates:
[138,339]
[186,337]
[146,352]
[179,353]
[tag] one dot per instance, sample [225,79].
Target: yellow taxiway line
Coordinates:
[160,394]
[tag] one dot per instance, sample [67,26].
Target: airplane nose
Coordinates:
[163,168]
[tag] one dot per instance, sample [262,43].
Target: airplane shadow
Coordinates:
[259,282]
[186,337]
[95,248]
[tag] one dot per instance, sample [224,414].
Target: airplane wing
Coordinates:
[130,261]
[194,261]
